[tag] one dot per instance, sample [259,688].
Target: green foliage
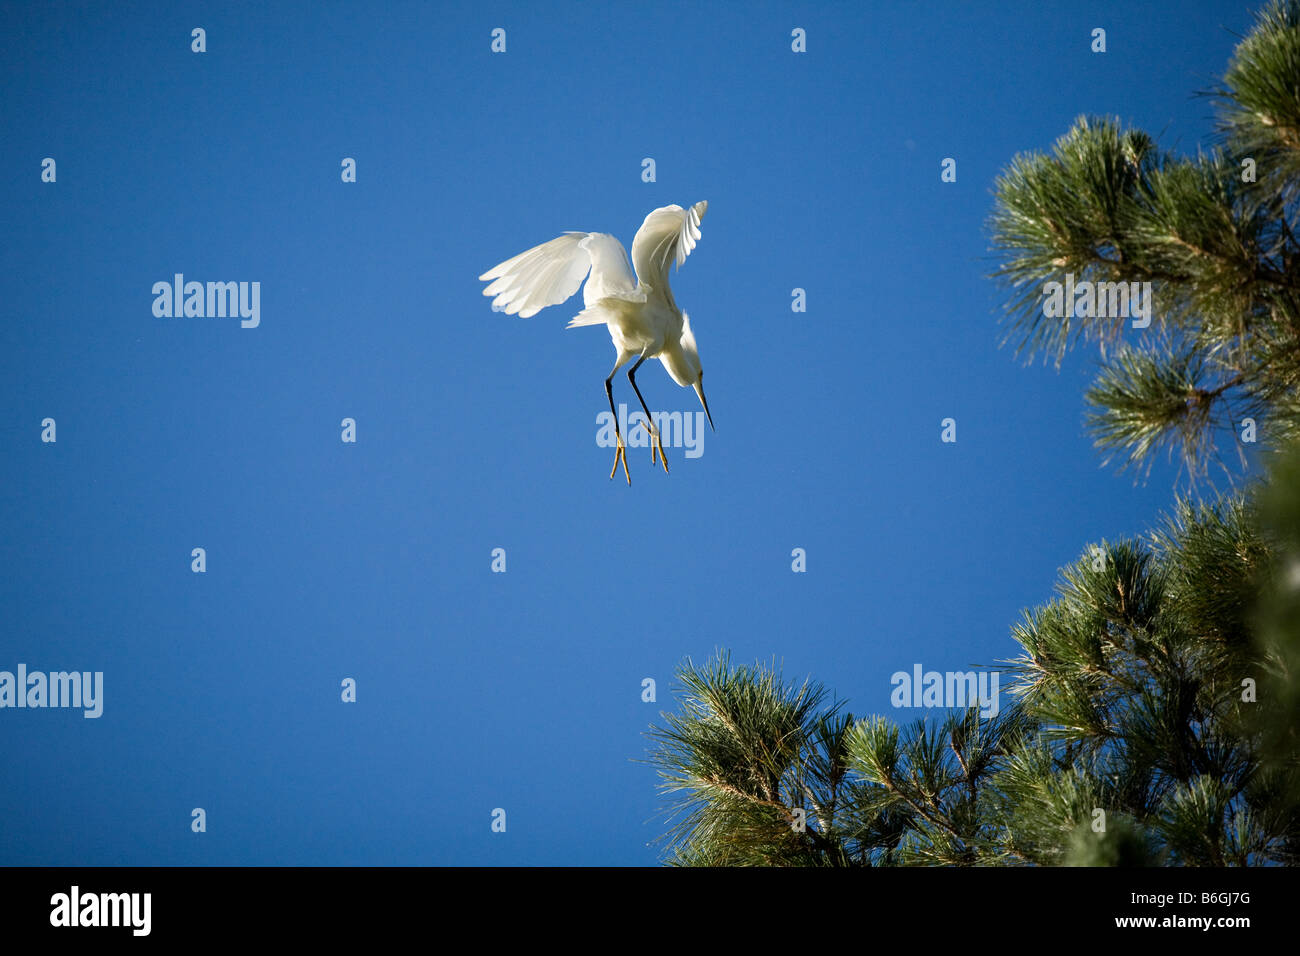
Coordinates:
[1218,247]
[1133,708]
[1277,719]
[746,752]
[1136,672]
[1122,843]
[1262,104]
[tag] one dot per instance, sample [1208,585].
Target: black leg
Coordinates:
[621,453]
[656,446]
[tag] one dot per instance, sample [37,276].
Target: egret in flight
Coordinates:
[639,310]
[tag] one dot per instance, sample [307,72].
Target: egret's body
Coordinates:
[637,308]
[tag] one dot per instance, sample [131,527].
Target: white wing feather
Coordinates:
[550,273]
[667,235]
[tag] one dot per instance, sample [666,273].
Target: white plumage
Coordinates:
[638,308]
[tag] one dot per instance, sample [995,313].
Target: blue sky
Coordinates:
[477,430]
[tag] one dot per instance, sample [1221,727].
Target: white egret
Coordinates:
[639,310]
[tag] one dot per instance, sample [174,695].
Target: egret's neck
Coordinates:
[678,364]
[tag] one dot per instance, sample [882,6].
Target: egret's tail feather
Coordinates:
[593,316]
[600,311]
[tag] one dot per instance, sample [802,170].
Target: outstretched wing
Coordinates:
[550,273]
[667,235]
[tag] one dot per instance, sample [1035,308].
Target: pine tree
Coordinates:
[1153,693]
[1155,723]
[1214,235]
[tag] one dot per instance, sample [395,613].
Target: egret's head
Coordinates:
[691,355]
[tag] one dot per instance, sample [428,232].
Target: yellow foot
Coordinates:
[657,448]
[621,455]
